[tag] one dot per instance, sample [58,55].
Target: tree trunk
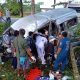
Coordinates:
[33,6]
[21,8]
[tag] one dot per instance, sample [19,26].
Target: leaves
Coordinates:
[10,74]
[13,6]
[77,30]
[1,27]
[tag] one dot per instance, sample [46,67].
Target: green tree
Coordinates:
[27,7]
[16,7]
[37,7]
[13,6]
[1,8]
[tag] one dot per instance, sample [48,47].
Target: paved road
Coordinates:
[12,19]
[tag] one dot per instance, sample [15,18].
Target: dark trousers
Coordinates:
[14,62]
[8,20]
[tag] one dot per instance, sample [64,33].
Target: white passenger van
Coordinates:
[54,21]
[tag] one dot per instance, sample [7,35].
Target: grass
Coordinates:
[8,73]
[11,74]
[17,16]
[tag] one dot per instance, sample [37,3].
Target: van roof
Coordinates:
[36,21]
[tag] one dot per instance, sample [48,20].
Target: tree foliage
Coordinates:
[37,7]
[77,30]
[27,7]
[13,6]
[1,28]
[1,8]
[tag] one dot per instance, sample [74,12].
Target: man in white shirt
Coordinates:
[40,42]
[8,19]
[6,40]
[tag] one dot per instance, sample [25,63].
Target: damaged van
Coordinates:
[54,21]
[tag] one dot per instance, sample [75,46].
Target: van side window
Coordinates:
[46,27]
[54,29]
[62,26]
[72,22]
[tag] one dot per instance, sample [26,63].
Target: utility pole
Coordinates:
[54,3]
[33,6]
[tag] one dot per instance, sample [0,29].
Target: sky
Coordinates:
[48,2]
[57,1]
[2,1]
[45,1]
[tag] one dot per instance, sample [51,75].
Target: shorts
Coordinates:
[23,63]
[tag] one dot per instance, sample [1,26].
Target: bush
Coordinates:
[77,49]
[77,30]
[2,27]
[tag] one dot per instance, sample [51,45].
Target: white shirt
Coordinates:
[7,13]
[40,41]
[6,40]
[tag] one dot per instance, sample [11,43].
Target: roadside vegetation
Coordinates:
[15,7]
[3,27]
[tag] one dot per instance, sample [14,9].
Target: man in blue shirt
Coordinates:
[62,52]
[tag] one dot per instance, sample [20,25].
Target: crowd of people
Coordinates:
[51,51]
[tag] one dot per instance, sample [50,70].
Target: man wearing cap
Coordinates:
[62,52]
[49,50]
